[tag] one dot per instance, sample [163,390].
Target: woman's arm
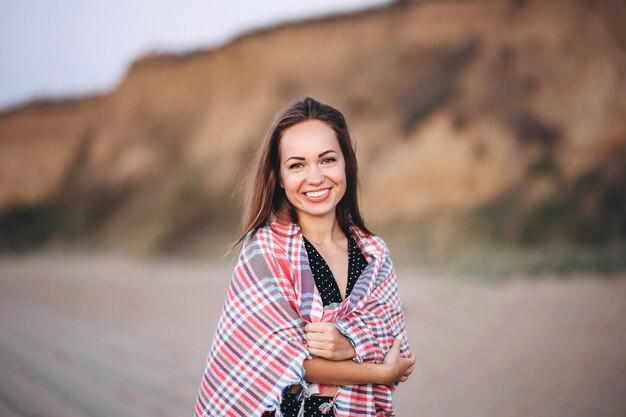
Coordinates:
[395,368]
[325,341]
[368,329]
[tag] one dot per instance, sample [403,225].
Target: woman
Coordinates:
[312,324]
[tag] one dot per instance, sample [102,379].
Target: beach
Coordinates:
[111,335]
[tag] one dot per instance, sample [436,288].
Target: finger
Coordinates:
[317,327]
[317,345]
[396,344]
[409,360]
[407,366]
[318,352]
[322,337]
[318,337]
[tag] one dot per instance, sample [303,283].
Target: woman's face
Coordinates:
[312,168]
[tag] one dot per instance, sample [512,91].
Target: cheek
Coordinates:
[291,182]
[344,180]
[340,173]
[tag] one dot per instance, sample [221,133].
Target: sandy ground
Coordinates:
[112,336]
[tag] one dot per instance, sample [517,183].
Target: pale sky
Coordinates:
[65,48]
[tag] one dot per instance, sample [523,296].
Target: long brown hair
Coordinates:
[266,200]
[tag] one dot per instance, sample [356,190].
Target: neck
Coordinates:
[320,229]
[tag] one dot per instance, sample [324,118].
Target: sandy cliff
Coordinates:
[456,107]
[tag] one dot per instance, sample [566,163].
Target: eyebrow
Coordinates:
[301,158]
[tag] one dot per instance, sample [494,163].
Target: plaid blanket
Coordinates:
[259,346]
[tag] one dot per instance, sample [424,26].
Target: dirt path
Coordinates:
[110,336]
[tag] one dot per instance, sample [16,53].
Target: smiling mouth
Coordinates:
[316,194]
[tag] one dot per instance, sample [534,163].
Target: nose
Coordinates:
[314,176]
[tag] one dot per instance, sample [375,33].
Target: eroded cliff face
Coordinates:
[453,105]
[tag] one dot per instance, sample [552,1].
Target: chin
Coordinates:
[317,213]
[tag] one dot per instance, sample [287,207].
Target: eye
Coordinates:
[295,165]
[328,160]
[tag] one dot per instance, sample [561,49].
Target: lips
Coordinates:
[317,196]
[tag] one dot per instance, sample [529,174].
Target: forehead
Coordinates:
[308,138]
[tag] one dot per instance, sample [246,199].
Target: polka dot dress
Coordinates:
[324,279]
[329,291]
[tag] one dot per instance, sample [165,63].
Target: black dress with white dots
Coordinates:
[329,291]
[324,279]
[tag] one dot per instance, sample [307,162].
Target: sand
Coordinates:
[107,335]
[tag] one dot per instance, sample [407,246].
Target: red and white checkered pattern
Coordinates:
[259,346]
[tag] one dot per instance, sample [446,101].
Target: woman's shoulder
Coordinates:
[273,233]
[368,239]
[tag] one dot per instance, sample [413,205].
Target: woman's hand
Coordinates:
[397,368]
[394,368]
[325,341]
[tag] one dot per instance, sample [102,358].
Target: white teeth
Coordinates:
[317,193]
